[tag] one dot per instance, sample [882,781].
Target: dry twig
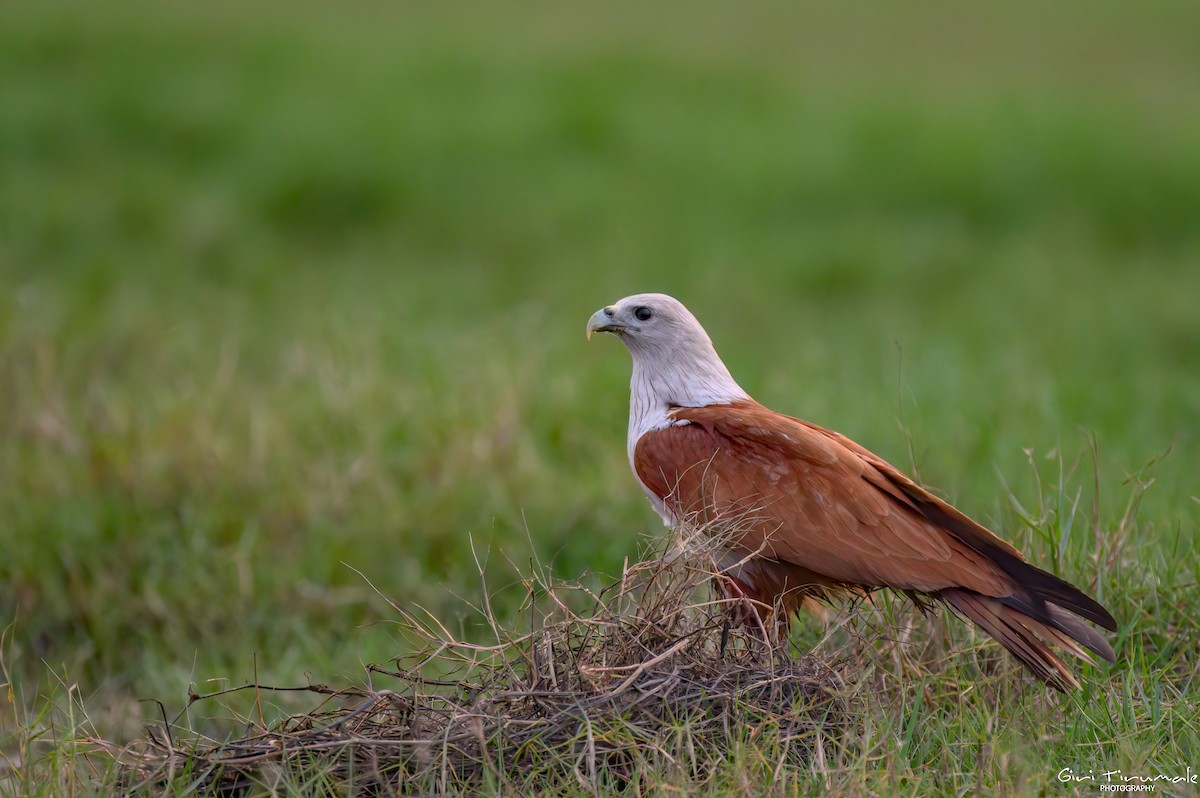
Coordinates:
[637,682]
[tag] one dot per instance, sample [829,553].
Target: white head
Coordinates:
[674,363]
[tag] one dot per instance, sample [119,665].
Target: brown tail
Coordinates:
[1012,622]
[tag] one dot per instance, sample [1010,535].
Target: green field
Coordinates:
[292,297]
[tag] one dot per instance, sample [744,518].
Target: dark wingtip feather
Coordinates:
[1058,618]
[1065,594]
[1027,634]
[1040,585]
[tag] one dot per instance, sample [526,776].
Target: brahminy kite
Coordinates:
[812,512]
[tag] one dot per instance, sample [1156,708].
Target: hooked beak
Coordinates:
[602,321]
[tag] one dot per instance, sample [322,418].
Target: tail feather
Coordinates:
[1027,636]
[1069,643]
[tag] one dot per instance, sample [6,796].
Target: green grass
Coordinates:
[293,292]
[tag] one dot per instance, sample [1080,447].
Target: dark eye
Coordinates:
[642,314]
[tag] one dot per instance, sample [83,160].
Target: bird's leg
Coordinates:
[728,589]
[744,609]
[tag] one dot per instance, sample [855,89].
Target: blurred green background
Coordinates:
[293,291]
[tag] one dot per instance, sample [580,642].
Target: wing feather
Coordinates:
[809,500]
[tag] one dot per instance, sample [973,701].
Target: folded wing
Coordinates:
[808,498]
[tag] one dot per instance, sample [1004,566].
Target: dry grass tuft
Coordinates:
[644,677]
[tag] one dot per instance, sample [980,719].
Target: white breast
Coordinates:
[690,375]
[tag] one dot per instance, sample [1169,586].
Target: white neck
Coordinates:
[691,375]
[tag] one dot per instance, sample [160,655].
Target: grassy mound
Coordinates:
[644,677]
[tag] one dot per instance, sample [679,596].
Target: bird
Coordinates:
[812,514]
